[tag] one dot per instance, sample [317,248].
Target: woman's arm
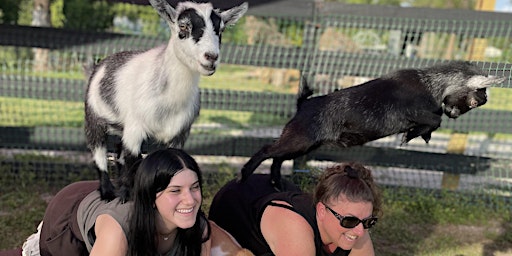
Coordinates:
[363,246]
[286,232]
[110,237]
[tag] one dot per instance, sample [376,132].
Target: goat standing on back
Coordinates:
[409,101]
[153,94]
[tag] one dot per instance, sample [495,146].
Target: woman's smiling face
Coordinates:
[180,202]
[337,235]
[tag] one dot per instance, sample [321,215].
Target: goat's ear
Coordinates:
[231,16]
[479,82]
[164,9]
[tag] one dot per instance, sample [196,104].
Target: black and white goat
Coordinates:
[154,94]
[409,101]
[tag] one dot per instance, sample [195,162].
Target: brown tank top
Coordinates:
[92,206]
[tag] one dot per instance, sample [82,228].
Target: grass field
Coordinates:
[415,222]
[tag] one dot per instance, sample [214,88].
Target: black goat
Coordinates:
[409,101]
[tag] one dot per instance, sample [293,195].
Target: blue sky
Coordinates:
[503,6]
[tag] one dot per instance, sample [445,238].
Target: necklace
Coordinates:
[165,237]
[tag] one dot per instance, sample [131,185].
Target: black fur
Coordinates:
[409,101]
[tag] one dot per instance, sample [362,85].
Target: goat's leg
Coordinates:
[291,144]
[275,173]
[424,131]
[179,140]
[126,178]
[119,158]
[96,137]
[107,189]
[254,162]
[133,136]
[427,122]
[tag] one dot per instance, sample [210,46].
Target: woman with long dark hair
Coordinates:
[167,206]
[164,217]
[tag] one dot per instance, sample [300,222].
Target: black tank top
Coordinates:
[238,207]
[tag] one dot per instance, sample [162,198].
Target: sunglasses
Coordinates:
[351,221]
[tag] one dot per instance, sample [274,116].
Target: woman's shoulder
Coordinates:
[286,211]
[283,227]
[93,206]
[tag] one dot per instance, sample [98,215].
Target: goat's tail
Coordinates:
[304,92]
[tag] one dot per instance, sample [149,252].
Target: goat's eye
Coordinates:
[184,30]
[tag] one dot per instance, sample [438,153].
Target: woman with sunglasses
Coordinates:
[335,221]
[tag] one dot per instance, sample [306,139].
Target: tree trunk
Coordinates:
[41,18]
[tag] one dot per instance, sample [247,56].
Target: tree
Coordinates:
[88,14]
[41,18]
[41,14]
[9,11]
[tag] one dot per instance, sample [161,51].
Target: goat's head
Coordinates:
[196,30]
[470,90]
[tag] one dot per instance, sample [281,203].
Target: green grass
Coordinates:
[233,77]
[34,113]
[30,112]
[415,222]
[499,99]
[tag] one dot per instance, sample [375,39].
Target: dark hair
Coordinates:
[351,180]
[153,175]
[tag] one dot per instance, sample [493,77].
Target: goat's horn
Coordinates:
[485,82]
[164,9]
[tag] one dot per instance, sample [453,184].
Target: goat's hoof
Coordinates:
[405,140]
[107,191]
[124,194]
[107,195]
[426,137]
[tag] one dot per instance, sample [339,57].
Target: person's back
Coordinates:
[239,201]
[294,223]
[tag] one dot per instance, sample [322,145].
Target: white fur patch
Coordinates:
[31,246]
[100,158]
[224,244]
[95,101]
